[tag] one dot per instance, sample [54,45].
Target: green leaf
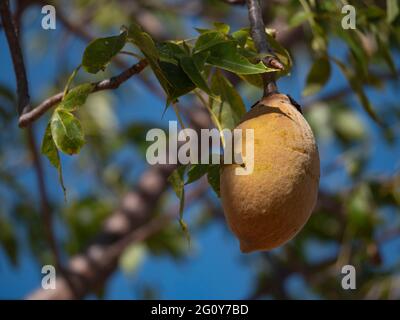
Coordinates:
[226,56]
[66,131]
[222,27]
[177,182]
[352,39]
[76,97]
[253,79]
[135,133]
[200,59]
[230,108]
[196,171]
[241,36]
[8,240]
[100,51]
[318,76]
[392,10]
[147,46]
[190,68]
[299,18]
[357,87]
[213,178]
[132,257]
[383,47]
[348,126]
[208,40]
[49,149]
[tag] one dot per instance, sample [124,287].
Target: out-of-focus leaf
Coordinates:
[84,217]
[50,150]
[299,18]
[226,56]
[392,10]
[132,257]
[168,241]
[8,240]
[177,180]
[254,79]
[213,177]
[76,97]
[352,39]
[196,171]
[230,108]
[359,206]
[136,134]
[358,89]
[222,27]
[100,51]
[7,93]
[348,126]
[318,76]
[66,131]
[384,50]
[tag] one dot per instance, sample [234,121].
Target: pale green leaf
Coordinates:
[100,51]
[76,97]
[318,76]
[66,131]
[49,149]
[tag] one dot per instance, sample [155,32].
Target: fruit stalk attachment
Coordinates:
[257,28]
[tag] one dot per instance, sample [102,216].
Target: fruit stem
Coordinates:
[260,40]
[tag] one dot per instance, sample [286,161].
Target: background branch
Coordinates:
[16,55]
[23,107]
[129,224]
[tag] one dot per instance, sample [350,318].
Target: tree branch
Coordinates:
[235,2]
[258,34]
[112,83]
[17,58]
[23,107]
[129,224]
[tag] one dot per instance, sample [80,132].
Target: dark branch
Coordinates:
[107,84]
[16,55]
[235,2]
[260,40]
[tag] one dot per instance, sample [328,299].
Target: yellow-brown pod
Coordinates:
[268,207]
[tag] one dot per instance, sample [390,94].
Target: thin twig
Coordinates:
[112,83]
[344,91]
[24,106]
[260,40]
[17,58]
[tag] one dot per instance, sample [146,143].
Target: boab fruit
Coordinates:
[269,207]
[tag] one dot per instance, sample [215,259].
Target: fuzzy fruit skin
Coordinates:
[269,207]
